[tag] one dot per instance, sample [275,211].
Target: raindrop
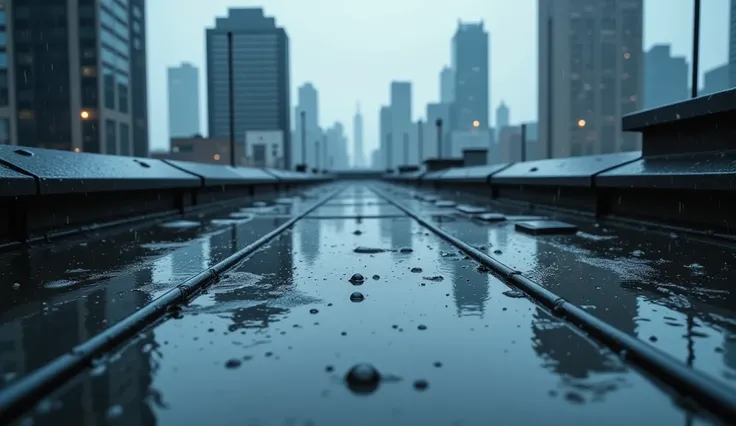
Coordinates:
[313,311]
[653,339]
[497,252]
[376,277]
[232,363]
[574,398]
[357,297]
[405,250]
[357,279]
[436,278]
[368,250]
[16,286]
[437,364]
[357,232]
[269,353]
[514,294]
[421,327]
[329,369]
[114,411]
[421,385]
[416,270]
[344,333]
[363,379]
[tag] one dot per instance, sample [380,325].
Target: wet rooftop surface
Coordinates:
[274,340]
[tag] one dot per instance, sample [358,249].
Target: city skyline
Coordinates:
[425,81]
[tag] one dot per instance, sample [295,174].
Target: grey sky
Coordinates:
[352,49]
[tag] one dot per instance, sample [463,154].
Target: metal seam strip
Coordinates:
[20,396]
[707,392]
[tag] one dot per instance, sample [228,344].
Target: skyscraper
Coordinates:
[337,153]
[77,87]
[470,64]
[400,121]
[384,134]
[732,45]
[590,75]
[665,77]
[502,116]
[447,85]
[308,102]
[262,106]
[358,154]
[183,100]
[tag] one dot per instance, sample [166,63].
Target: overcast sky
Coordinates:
[351,49]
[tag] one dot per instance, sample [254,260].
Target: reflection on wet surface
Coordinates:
[668,290]
[53,298]
[433,340]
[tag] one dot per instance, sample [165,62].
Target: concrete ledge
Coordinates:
[569,172]
[708,171]
[474,174]
[47,194]
[65,172]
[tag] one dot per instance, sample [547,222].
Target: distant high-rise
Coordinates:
[358,155]
[308,101]
[470,64]
[73,76]
[502,116]
[262,106]
[337,153]
[715,80]
[400,122]
[447,85]
[431,143]
[732,45]
[590,75]
[384,134]
[665,77]
[183,90]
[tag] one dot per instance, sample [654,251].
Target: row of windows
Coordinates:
[119,10]
[113,59]
[118,27]
[117,138]
[121,47]
[115,87]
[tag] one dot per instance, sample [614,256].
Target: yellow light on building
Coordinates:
[84,115]
[76,149]
[476,123]
[217,157]
[581,123]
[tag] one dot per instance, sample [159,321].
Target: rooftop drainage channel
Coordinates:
[708,393]
[19,397]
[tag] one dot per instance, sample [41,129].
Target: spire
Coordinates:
[357,108]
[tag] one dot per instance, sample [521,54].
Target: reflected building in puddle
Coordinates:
[309,231]
[470,286]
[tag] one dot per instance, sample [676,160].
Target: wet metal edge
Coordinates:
[20,397]
[689,383]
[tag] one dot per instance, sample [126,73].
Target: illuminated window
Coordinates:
[217,157]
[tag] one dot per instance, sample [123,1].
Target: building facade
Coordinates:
[73,76]
[384,134]
[260,89]
[447,85]
[590,75]
[470,64]
[400,95]
[665,77]
[307,102]
[183,92]
[732,44]
[358,154]
[715,80]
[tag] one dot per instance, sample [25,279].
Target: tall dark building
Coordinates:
[262,105]
[75,75]
[470,66]
[665,77]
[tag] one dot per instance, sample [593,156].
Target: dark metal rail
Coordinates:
[690,384]
[20,397]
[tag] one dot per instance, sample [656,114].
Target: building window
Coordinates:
[124,136]
[122,86]
[109,85]
[89,71]
[4,131]
[110,132]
